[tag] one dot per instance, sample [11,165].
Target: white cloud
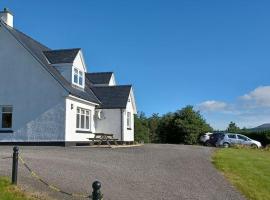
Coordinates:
[249,110]
[212,106]
[260,97]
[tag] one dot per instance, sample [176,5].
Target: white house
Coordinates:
[47,96]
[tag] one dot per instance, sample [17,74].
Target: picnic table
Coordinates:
[103,137]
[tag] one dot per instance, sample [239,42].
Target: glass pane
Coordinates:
[78,110]
[75,80]
[87,122]
[6,120]
[75,71]
[80,80]
[83,111]
[80,73]
[78,121]
[82,121]
[87,112]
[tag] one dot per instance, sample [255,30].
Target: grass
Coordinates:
[247,169]
[10,192]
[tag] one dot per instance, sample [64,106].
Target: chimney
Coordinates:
[6,17]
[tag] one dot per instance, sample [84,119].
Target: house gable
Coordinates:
[35,49]
[70,63]
[36,97]
[131,99]
[38,83]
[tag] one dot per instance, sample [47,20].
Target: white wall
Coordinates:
[71,134]
[7,18]
[111,123]
[112,81]
[115,122]
[128,134]
[37,98]
[79,62]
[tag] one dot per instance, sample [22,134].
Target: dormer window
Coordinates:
[78,77]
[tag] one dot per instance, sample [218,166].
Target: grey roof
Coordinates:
[113,96]
[61,55]
[36,49]
[99,77]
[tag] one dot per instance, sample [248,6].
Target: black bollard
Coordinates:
[96,194]
[15,165]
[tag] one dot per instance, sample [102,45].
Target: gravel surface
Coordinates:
[149,172]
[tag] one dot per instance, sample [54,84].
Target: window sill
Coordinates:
[6,131]
[82,131]
[129,128]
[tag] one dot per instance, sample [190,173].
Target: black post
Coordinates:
[15,165]
[96,194]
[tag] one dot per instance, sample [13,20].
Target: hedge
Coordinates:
[262,136]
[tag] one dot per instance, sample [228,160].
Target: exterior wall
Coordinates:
[112,81]
[7,18]
[37,99]
[79,62]
[110,122]
[128,134]
[114,121]
[71,111]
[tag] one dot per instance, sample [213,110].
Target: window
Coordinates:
[232,136]
[83,119]
[6,116]
[77,77]
[128,120]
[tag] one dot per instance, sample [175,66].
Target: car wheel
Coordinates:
[254,146]
[226,145]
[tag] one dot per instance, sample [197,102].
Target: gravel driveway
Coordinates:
[149,172]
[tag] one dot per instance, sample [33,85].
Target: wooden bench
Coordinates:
[103,137]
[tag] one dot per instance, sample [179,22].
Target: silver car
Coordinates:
[230,139]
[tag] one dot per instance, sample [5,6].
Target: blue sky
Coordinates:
[214,55]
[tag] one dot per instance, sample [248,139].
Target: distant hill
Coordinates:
[262,127]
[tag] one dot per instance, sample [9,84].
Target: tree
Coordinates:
[233,128]
[183,126]
[165,128]
[191,125]
[141,128]
[153,123]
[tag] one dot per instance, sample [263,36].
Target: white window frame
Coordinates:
[80,75]
[83,115]
[129,120]
[1,116]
